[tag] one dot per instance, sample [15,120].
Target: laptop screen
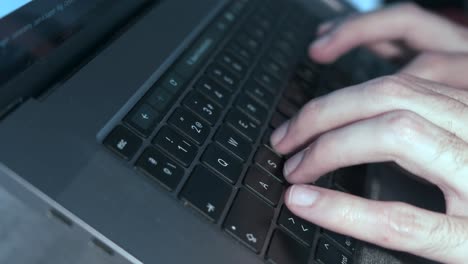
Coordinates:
[31,29]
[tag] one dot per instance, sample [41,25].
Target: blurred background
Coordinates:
[368,5]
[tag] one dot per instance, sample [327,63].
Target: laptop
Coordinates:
[150,121]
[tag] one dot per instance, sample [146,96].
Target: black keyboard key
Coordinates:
[222,76]
[264,185]
[330,254]
[277,120]
[207,193]
[252,108]
[270,162]
[159,99]
[260,94]
[249,220]
[300,228]
[280,58]
[123,142]
[274,69]
[176,145]
[267,136]
[345,241]
[213,91]
[255,32]
[287,108]
[190,125]
[172,82]
[143,119]
[296,95]
[223,163]
[233,64]
[265,79]
[285,250]
[242,123]
[203,107]
[234,142]
[252,45]
[156,165]
[241,52]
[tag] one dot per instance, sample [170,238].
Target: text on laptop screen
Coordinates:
[31,29]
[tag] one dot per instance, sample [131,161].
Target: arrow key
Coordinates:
[329,253]
[300,228]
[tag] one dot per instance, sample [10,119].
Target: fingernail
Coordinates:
[279,134]
[293,163]
[321,42]
[301,195]
[322,28]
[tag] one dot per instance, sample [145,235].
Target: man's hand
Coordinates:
[417,123]
[407,23]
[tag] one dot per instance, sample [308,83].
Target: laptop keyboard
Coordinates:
[202,131]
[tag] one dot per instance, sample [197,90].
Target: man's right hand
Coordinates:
[418,29]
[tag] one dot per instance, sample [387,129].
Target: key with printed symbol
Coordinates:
[234,142]
[176,145]
[250,107]
[172,82]
[300,228]
[330,254]
[203,107]
[270,162]
[190,125]
[123,142]
[213,91]
[264,185]
[222,76]
[242,123]
[143,119]
[233,64]
[345,241]
[223,163]
[259,93]
[206,192]
[155,164]
[249,220]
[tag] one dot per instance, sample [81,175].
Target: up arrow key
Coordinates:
[292,220]
[326,246]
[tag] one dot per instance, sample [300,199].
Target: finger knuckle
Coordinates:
[401,223]
[390,87]
[402,127]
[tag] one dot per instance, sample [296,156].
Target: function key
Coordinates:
[176,145]
[159,167]
[329,253]
[159,99]
[234,142]
[123,142]
[143,119]
[223,163]
[284,250]
[190,125]
[203,107]
[270,162]
[264,185]
[243,124]
[213,91]
[172,82]
[250,107]
[222,76]
[207,193]
[249,220]
[198,52]
[300,228]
